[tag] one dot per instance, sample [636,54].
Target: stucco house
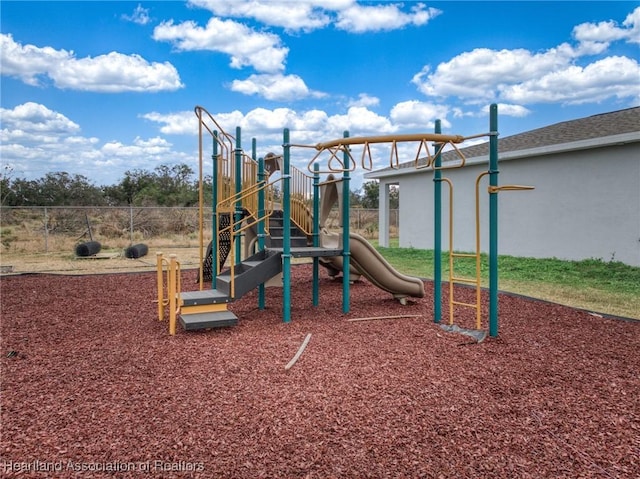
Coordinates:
[586,201]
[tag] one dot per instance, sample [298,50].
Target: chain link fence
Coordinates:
[41,229]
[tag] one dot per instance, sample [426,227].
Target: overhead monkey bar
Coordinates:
[342,145]
[358,140]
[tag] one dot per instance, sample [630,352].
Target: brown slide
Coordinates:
[367,261]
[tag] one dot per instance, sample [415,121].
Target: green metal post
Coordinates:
[346,251]
[261,213]
[316,233]
[286,226]
[238,204]
[214,203]
[493,221]
[437,234]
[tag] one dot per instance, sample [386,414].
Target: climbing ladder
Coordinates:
[453,278]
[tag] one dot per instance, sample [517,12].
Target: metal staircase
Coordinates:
[207,308]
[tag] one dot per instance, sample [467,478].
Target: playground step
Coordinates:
[255,270]
[219,319]
[273,241]
[276,233]
[310,251]
[207,296]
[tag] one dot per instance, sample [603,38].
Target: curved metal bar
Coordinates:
[394,149]
[358,140]
[366,151]
[199,110]
[457,165]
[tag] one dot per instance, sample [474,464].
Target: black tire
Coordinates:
[136,251]
[89,248]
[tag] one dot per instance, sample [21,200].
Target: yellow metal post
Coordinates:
[173,293]
[160,278]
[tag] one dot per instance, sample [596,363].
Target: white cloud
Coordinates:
[113,72]
[606,32]
[140,16]
[358,121]
[507,109]
[29,63]
[275,87]
[554,75]
[32,117]
[153,147]
[260,50]
[35,140]
[480,72]
[180,123]
[264,51]
[575,84]
[365,100]
[358,18]
[632,22]
[310,126]
[293,16]
[419,115]
[308,15]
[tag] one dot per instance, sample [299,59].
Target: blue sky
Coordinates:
[99,88]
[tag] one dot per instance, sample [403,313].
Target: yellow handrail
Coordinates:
[173,299]
[162,302]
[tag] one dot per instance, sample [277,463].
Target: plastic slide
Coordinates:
[369,263]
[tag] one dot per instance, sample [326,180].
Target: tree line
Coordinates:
[166,185]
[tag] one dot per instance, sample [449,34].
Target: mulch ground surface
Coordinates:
[93,386]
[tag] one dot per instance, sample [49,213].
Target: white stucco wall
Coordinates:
[586,204]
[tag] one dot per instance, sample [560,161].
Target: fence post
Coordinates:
[46,230]
[131,223]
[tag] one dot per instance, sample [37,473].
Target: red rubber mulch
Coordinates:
[93,386]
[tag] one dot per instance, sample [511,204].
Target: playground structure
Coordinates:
[260,224]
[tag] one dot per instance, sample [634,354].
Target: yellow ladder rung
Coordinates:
[465,280]
[464,255]
[470,305]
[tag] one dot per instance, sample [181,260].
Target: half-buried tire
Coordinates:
[89,248]
[136,251]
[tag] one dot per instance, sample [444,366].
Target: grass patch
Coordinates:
[607,287]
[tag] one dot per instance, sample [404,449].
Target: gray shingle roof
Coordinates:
[590,127]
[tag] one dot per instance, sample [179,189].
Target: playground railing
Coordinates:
[301,200]
[171,286]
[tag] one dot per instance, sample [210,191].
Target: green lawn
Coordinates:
[605,287]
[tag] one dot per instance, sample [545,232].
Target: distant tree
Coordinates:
[129,190]
[23,193]
[370,191]
[355,199]
[207,189]
[173,186]
[6,192]
[63,189]
[165,186]
[371,195]
[56,189]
